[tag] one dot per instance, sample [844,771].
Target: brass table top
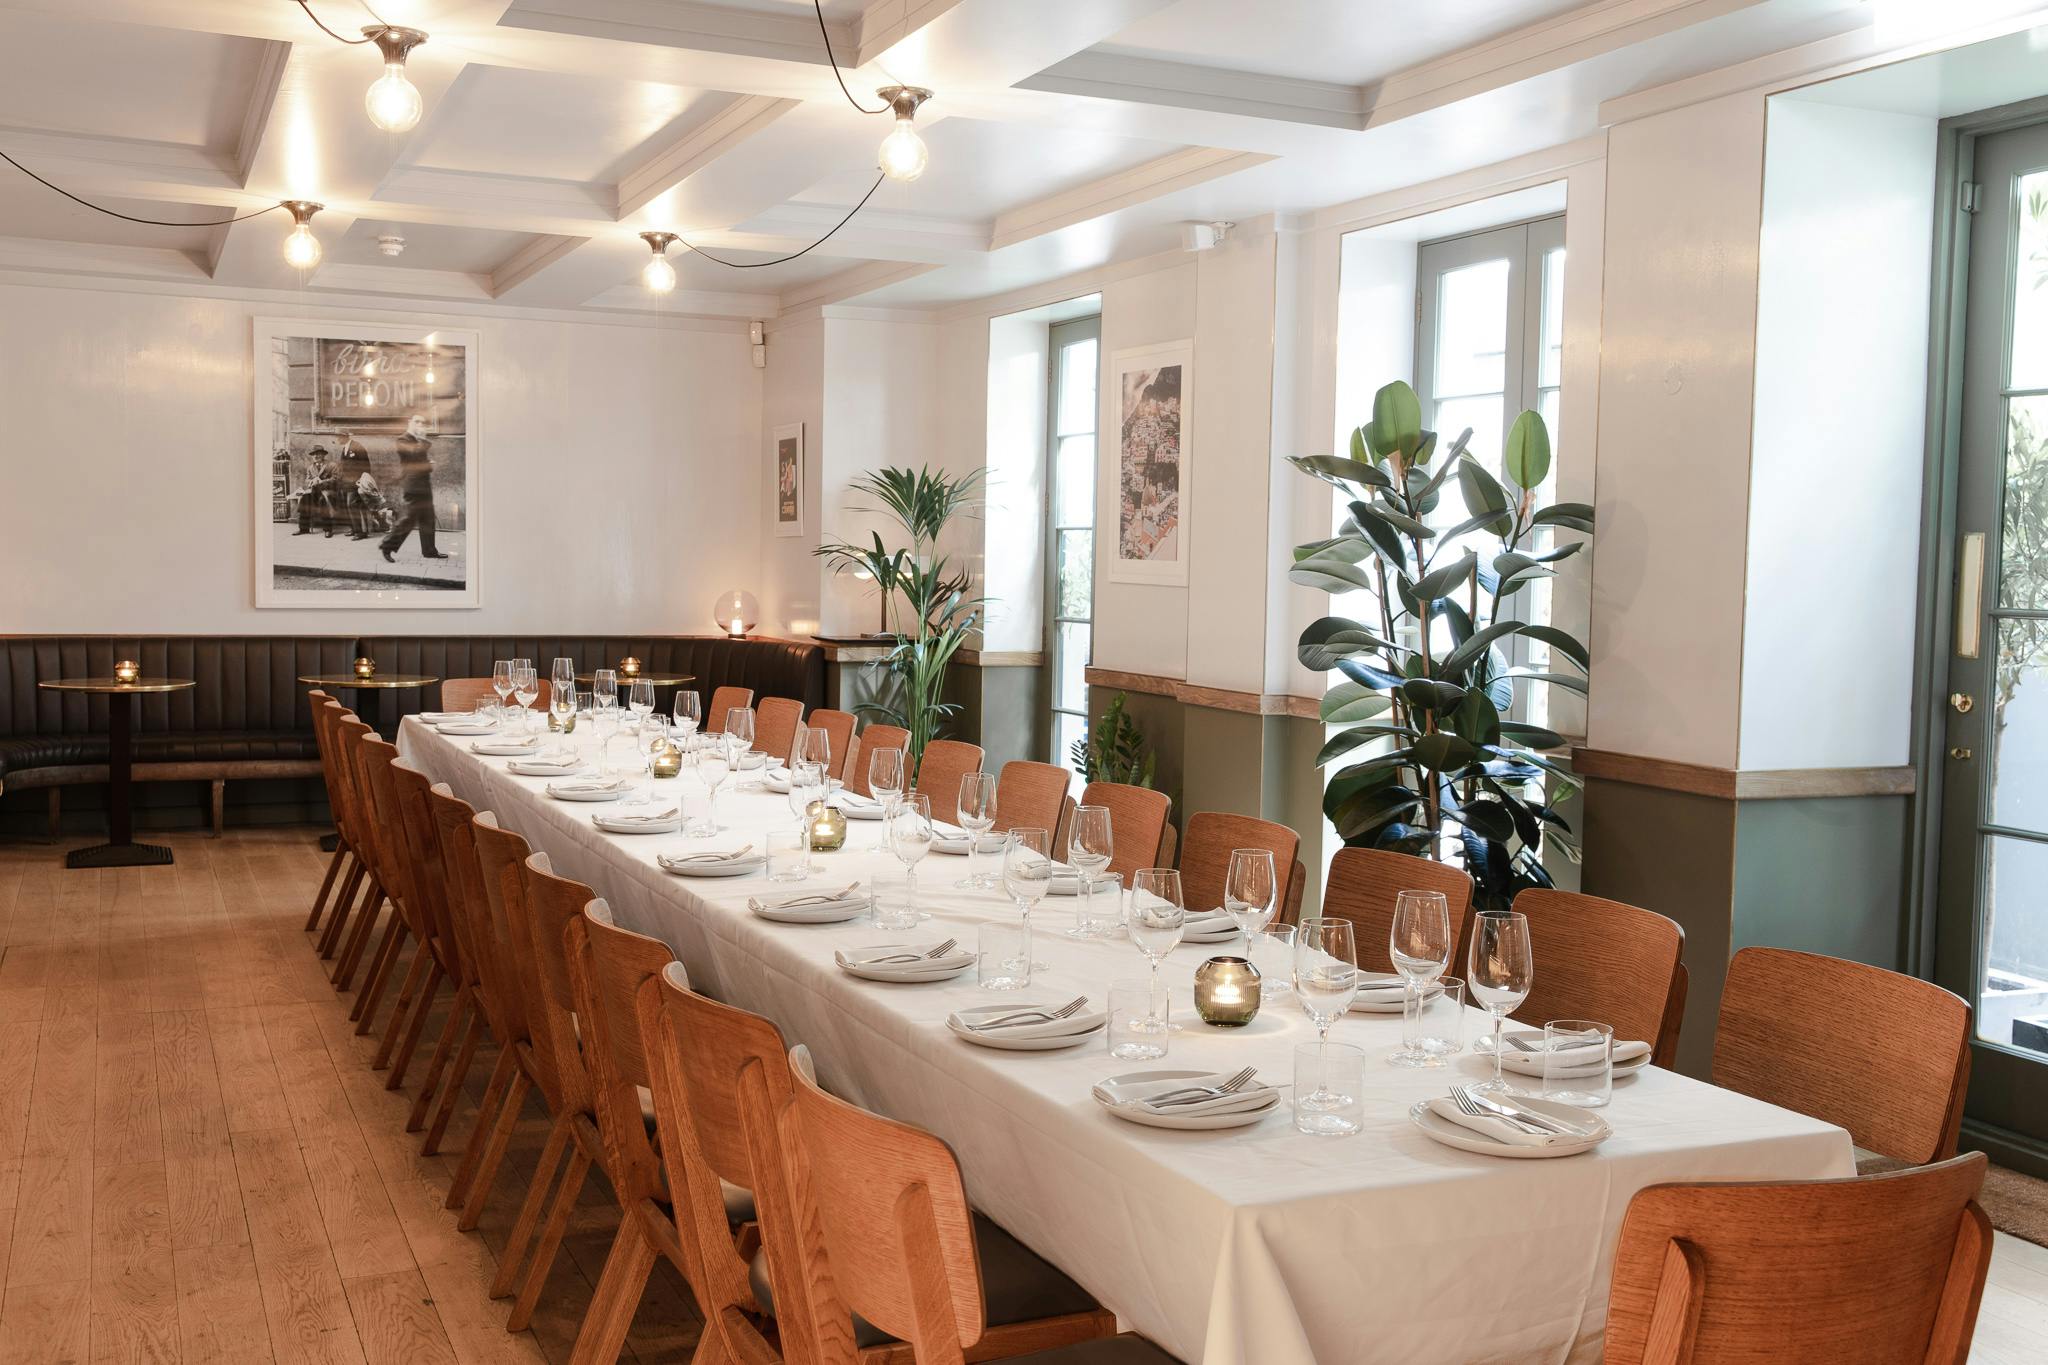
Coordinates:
[385,681]
[116,686]
[658,679]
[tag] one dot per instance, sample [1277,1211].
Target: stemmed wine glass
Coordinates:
[653,734]
[562,702]
[1027,876]
[977,816]
[1420,944]
[910,838]
[711,766]
[817,743]
[1499,972]
[501,683]
[604,723]
[525,688]
[1250,892]
[885,778]
[604,689]
[806,785]
[640,697]
[561,677]
[1325,982]
[688,712]
[1157,916]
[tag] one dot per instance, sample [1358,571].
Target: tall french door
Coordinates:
[1992,913]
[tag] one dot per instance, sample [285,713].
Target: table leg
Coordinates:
[120,850]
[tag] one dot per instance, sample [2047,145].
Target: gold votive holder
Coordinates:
[1227,992]
[366,667]
[827,824]
[127,671]
[667,760]
[629,667]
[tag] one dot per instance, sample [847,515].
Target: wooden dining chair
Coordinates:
[323,747]
[437,955]
[1879,1270]
[1212,836]
[839,727]
[1897,1086]
[1141,835]
[1602,960]
[725,699]
[337,764]
[945,762]
[353,823]
[462,694]
[1362,886]
[1033,796]
[395,870]
[775,722]
[873,738]
[478,1006]
[889,1235]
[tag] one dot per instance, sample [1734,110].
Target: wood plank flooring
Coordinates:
[197,1164]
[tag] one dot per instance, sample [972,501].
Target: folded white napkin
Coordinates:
[1444,1107]
[468,727]
[654,818]
[617,783]
[1137,1095]
[706,859]
[1529,1061]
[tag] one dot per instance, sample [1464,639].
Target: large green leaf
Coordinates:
[1400,521]
[1563,642]
[1455,663]
[1576,515]
[1448,466]
[1444,752]
[1515,569]
[1476,718]
[1535,736]
[1330,574]
[1485,499]
[1564,680]
[1441,582]
[1396,421]
[1367,810]
[1490,818]
[1348,702]
[1428,694]
[1525,454]
[1344,741]
[1333,638]
[1383,534]
[1350,547]
[1366,675]
[1335,469]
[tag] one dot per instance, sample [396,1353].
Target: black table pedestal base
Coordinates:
[330,842]
[119,855]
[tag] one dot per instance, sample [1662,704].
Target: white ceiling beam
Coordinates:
[262,102]
[529,261]
[1153,180]
[850,283]
[667,166]
[987,44]
[44,257]
[790,37]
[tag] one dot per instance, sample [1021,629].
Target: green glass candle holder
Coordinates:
[1227,992]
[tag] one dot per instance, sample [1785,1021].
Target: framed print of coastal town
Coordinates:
[367,460]
[789,480]
[1153,386]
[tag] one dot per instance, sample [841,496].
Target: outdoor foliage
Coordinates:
[1114,750]
[1433,766]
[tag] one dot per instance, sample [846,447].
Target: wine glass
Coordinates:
[562,699]
[640,696]
[885,777]
[1498,974]
[689,713]
[1250,892]
[739,737]
[604,723]
[561,676]
[1027,876]
[1157,915]
[1420,944]
[526,689]
[653,734]
[712,765]
[1325,982]
[604,689]
[977,816]
[1089,843]
[796,747]
[817,743]
[501,683]
[910,838]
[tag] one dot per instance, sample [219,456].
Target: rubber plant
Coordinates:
[938,614]
[1432,766]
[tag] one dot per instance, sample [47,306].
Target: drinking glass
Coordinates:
[640,696]
[1420,944]
[501,682]
[711,766]
[487,712]
[1003,953]
[604,689]
[561,676]
[796,747]
[1098,907]
[1498,975]
[806,784]
[739,729]
[562,703]
[1089,845]
[789,853]
[653,734]
[1027,873]
[1273,955]
[1140,1023]
[1156,917]
[1440,1019]
[1578,1062]
[818,749]
[885,777]
[1249,892]
[1329,1082]
[910,838]
[604,722]
[525,689]
[688,711]
[1325,971]
[977,814]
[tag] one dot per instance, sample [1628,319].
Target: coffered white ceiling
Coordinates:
[1065,134]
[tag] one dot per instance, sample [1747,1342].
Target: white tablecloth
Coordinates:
[1253,1246]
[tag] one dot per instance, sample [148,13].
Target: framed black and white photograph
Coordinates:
[789,480]
[366,465]
[1151,387]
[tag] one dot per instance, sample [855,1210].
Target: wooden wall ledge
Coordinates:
[1215,698]
[871,651]
[1732,784]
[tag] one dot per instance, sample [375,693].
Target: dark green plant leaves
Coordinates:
[1477,719]
[1333,638]
[1485,499]
[1365,674]
[1535,736]
[1563,642]
[1400,521]
[1442,582]
[1335,469]
[1525,454]
[1344,741]
[1429,694]
[1396,422]
[1331,574]
[1367,810]
[1564,680]
[1577,516]
[1348,702]
[1472,649]
[1489,818]
[1442,752]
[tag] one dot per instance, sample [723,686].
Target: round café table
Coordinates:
[660,680]
[367,705]
[120,850]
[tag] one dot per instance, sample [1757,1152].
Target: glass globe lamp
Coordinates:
[736,612]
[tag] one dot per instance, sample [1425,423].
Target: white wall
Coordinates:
[1836,461]
[793,391]
[618,475]
[1016,375]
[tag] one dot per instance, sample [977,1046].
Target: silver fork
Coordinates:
[1194,1094]
[1469,1103]
[820,898]
[948,946]
[1066,1011]
[742,851]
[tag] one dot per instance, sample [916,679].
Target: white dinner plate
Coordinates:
[615,824]
[500,748]
[736,867]
[1105,1093]
[828,912]
[1464,1139]
[468,727]
[529,768]
[1379,993]
[930,969]
[1029,1038]
[1221,931]
[858,812]
[580,794]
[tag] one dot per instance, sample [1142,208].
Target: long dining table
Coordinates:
[1250,1246]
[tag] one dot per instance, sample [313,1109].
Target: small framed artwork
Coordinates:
[1152,387]
[789,480]
[366,462]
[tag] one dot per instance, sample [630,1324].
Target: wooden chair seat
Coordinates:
[1363,884]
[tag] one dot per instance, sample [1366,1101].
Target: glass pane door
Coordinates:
[1070,553]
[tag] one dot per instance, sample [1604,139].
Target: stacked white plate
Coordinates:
[653,822]
[445,717]
[712,865]
[1523,1054]
[977,1024]
[952,839]
[502,747]
[468,727]
[858,807]
[593,790]
[1128,1097]
[1211,926]
[811,909]
[1379,993]
[1442,1120]
[544,767]
[907,962]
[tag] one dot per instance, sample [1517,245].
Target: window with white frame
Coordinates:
[1070,526]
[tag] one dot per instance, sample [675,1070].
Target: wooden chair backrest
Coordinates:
[434,919]
[840,726]
[1212,836]
[723,700]
[350,735]
[721,1091]
[1600,959]
[462,694]
[337,765]
[873,738]
[775,722]
[552,904]
[1879,1270]
[1898,1088]
[945,762]
[1138,825]
[501,868]
[1033,796]
[468,913]
[853,761]
[892,1224]
[1363,884]
[607,967]
[395,867]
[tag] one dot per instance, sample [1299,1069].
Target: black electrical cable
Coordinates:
[757,265]
[129,217]
[822,33]
[366,38]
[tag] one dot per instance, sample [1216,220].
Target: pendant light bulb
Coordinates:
[903,155]
[302,248]
[393,101]
[658,275]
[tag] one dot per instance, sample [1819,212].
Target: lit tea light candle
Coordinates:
[828,826]
[667,759]
[366,667]
[629,667]
[127,671]
[1227,991]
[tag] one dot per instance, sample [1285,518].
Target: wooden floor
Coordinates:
[198,1165]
